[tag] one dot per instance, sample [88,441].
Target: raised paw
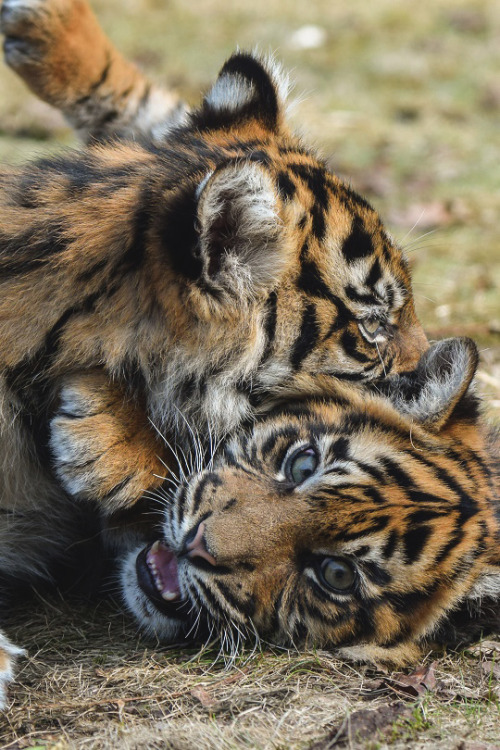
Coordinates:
[23,23]
[8,654]
[58,48]
[48,43]
[103,446]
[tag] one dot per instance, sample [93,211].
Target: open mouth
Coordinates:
[158,577]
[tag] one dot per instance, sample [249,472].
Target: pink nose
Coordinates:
[197,547]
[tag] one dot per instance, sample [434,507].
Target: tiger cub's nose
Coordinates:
[196,546]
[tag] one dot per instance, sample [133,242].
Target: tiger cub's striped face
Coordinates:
[345,523]
[346,307]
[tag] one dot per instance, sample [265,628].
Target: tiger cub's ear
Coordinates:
[242,243]
[439,386]
[247,89]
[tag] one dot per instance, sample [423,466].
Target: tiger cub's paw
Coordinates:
[8,654]
[55,46]
[103,447]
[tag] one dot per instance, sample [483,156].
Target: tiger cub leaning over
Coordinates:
[203,266]
[367,523]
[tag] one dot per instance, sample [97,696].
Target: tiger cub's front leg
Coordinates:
[61,52]
[104,448]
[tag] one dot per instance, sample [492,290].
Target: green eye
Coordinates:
[337,574]
[372,327]
[301,465]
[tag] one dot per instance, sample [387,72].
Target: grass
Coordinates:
[404,101]
[89,682]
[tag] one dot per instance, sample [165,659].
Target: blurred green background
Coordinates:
[402,99]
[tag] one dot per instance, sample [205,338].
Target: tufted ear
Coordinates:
[242,243]
[438,387]
[247,88]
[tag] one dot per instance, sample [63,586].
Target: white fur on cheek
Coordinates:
[488,586]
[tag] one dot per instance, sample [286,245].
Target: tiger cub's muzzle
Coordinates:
[160,568]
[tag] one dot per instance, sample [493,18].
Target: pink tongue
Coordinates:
[162,564]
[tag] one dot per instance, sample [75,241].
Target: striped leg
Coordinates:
[58,48]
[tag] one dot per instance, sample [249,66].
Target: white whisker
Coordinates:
[197,446]
[381,360]
[173,451]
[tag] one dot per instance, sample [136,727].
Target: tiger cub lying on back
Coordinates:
[202,267]
[365,523]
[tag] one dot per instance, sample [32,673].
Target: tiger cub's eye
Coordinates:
[337,574]
[301,465]
[371,328]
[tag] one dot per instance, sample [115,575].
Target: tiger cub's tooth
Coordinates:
[169,596]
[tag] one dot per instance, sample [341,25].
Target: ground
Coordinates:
[403,99]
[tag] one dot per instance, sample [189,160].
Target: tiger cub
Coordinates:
[366,522]
[202,268]
[362,523]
